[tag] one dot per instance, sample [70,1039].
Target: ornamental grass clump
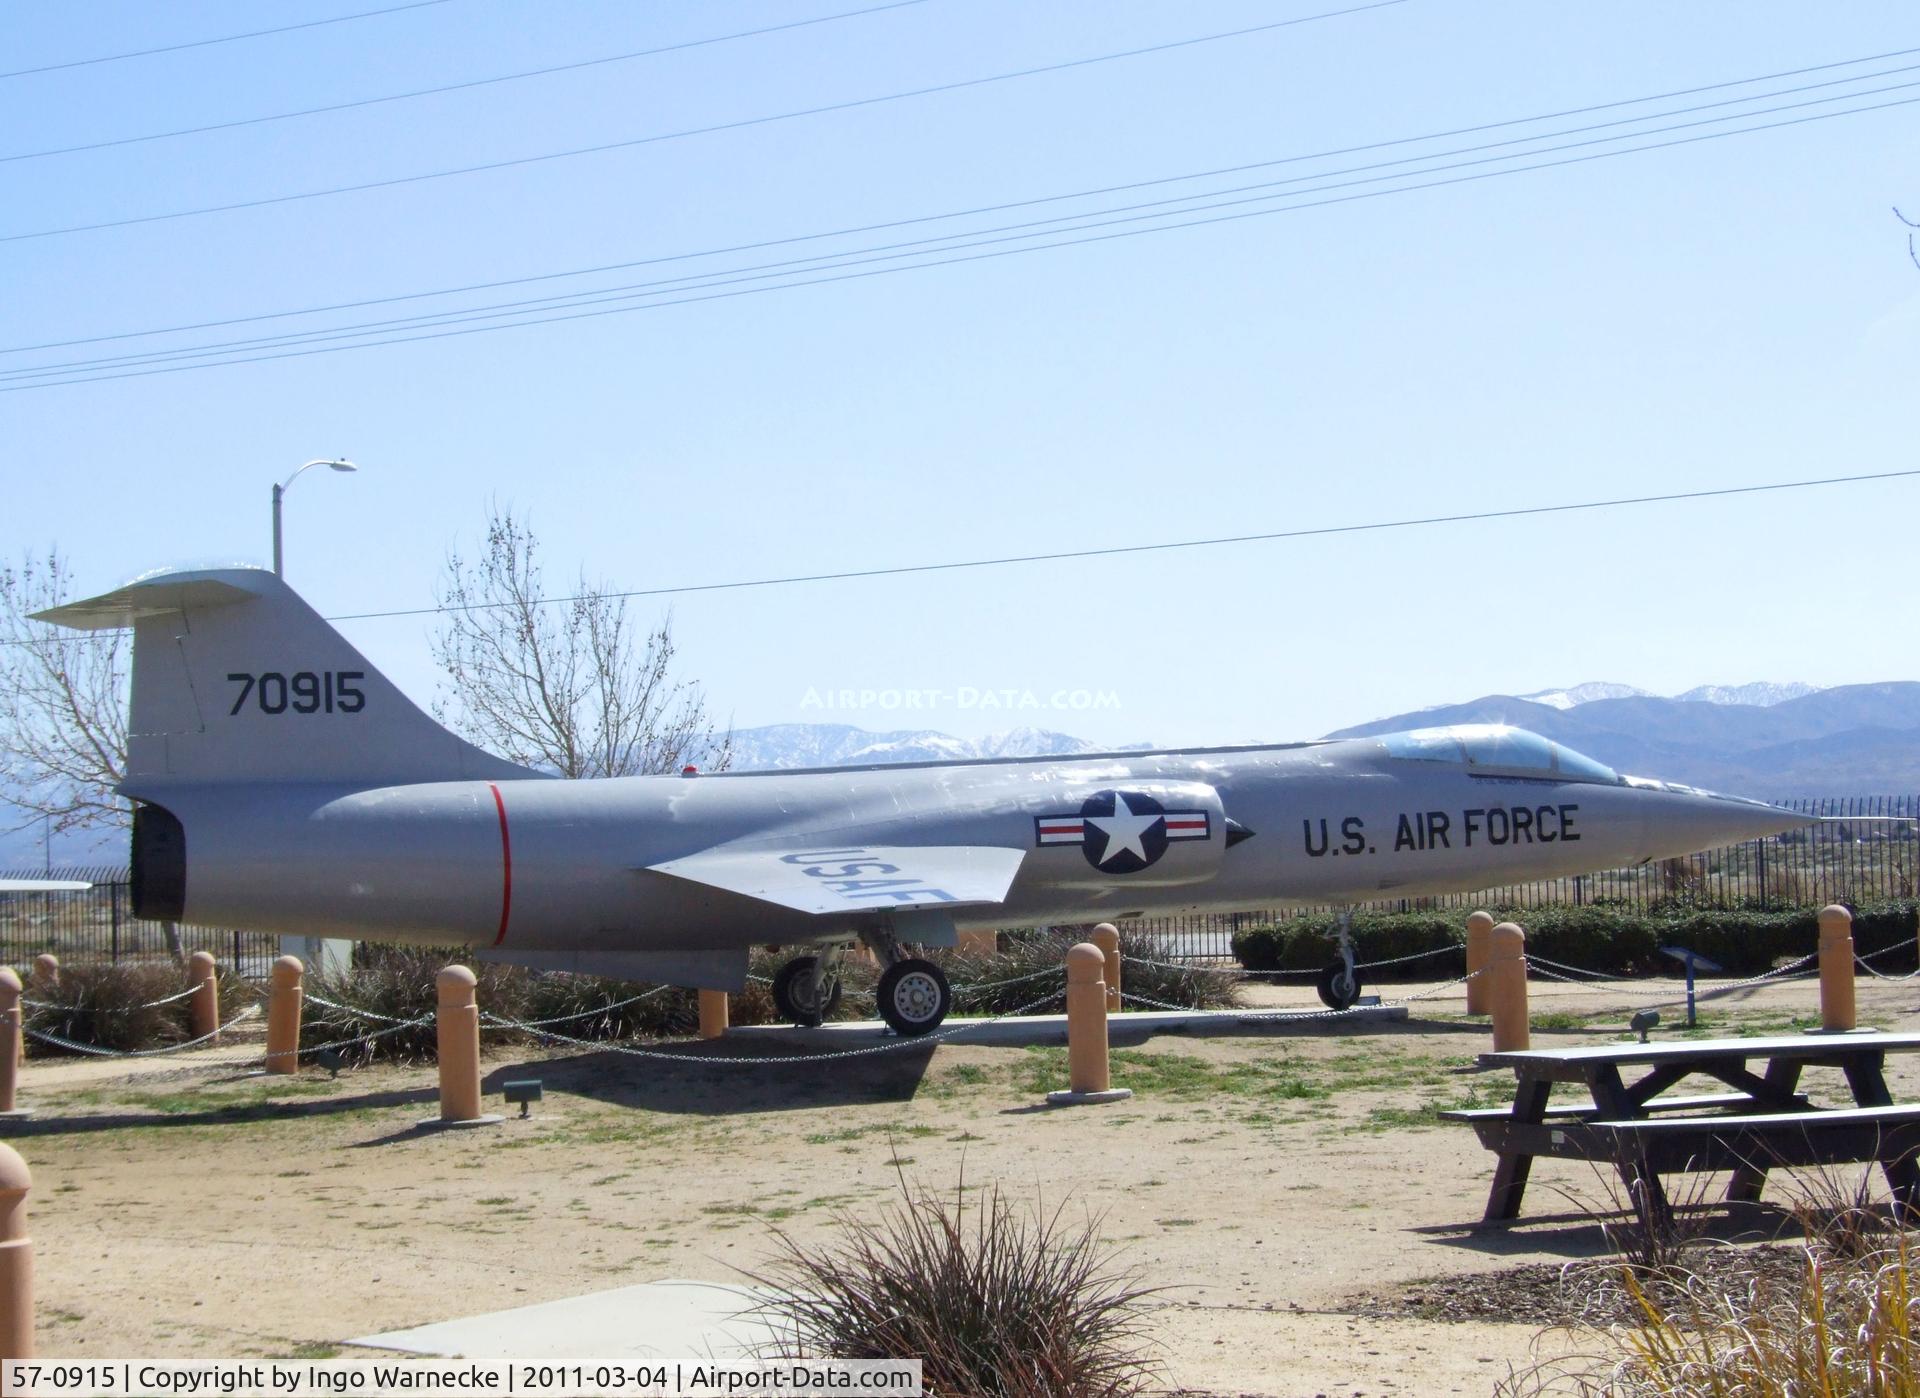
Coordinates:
[992,1299]
[111,1006]
[1841,1325]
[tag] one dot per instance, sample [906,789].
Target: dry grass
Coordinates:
[990,1298]
[109,1005]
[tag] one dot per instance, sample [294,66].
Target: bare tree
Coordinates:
[63,727]
[63,711]
[566,683]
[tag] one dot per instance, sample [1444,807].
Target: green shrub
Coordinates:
[1600,937]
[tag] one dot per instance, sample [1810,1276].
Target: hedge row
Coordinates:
[1609,940]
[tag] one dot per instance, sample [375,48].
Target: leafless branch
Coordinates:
[63,734]
[566,686]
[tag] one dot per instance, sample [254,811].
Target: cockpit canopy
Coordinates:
[1497,750]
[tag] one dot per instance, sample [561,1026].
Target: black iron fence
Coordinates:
[1861,853]
[98,924]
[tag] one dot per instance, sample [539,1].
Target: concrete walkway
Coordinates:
[654,1320]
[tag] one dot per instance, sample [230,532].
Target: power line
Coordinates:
[741,124]
[708,294]
[994,208]
[978,237]
[223,39]
[460,86]
[1120,550]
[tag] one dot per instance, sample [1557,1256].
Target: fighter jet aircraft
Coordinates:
[281,783]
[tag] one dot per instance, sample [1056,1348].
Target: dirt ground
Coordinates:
[1267,1176]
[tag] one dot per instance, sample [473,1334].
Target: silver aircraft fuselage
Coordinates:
[556,864]
[282,783]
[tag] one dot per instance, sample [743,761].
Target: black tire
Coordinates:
[1338,990]
[789,1008]
[913,997]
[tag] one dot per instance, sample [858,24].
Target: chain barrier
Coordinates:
[95,1051]
[610,1046]
[600,1009]
[960,990]
[1449,949]
[1533,960]
[356,1012]
[108,1009]
[1276,1015]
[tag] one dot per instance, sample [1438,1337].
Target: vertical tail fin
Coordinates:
[236,679]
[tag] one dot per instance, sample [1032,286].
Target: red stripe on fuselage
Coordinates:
[506,864]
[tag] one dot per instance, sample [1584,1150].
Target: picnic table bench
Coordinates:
[1764,1121]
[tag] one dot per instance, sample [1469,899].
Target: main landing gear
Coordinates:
[1339,985]
[913,994]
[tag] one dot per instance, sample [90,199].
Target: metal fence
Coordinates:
[1860,855]
[98,925]
[1857,856]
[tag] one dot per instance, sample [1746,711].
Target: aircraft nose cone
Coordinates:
[1685,821]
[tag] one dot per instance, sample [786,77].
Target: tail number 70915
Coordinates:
[304,692]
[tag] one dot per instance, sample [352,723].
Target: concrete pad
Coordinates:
[1050,1029]
[654,1320]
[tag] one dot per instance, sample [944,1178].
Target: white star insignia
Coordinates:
[1124,830]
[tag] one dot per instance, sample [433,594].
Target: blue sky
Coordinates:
[1727,312]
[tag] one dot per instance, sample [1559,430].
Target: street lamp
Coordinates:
[337,463]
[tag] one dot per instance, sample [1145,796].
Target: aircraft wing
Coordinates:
[43,885]
[837,879]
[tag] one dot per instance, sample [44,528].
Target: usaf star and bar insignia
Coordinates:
[1121,832]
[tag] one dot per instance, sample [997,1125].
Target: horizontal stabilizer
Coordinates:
[160,596]
[43,886]
[831,879]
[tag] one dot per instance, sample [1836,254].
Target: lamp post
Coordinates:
[320,954]
[279,492]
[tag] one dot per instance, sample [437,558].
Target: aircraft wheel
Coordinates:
[914,997]
[1339,989]
[791,1004]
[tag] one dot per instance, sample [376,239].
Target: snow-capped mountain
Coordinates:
[1583,694]
[782,746]
[1760,694]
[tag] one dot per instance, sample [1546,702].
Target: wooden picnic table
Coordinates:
[1763,1121]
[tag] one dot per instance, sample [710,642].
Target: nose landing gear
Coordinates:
[1339,985]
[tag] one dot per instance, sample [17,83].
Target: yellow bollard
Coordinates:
[1836,969]
[1088,1075]
[980,943]
[1479,934]
[283,1016]
[46,973]
[10,1037]
[1507,994]
[713,1013]
[204,1007]
[1107,937]
[16,1258]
